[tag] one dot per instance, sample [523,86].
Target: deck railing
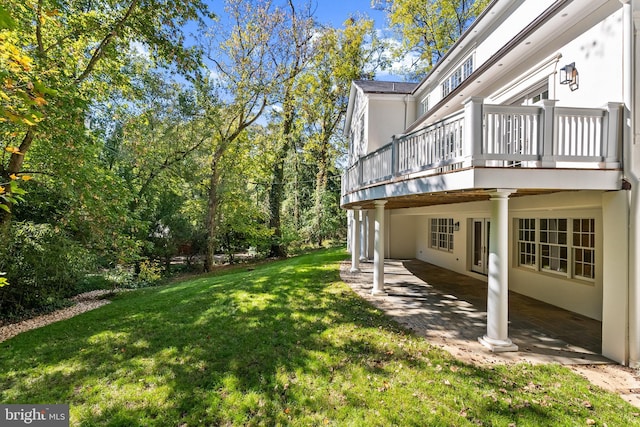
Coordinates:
[483,135]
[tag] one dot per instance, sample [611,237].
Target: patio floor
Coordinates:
[449,309]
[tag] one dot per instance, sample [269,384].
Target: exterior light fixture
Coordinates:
[456,226]
[569,76]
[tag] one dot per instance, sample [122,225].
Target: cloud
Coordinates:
[399,66]
[140,49]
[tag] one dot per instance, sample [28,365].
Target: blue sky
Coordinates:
[335,12]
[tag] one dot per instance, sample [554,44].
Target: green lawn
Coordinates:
[287,343]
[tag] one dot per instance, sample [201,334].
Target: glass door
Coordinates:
[480,244]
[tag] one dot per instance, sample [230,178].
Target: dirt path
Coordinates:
[84,302]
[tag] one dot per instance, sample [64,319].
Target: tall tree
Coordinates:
[292,56]
[340,56]
[244,76]
[428,28]
[77,50]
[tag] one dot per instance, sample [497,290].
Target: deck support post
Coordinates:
[355,241]
[378,252]
[364,235]
[497,337]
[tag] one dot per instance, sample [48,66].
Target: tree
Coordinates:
[293,53]
[341,55]
[244,80]
[428,28]
[153,143]
[64,55]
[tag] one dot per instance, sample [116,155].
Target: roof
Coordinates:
[373,86]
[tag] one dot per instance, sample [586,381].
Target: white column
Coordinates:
[364,235]
[371,233]
[378,252]
[355,241]
[497,337]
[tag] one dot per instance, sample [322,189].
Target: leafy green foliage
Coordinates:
[428,28]
[43,266]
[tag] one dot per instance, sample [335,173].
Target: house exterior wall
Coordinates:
[597,54]
[387,116]
[402,237]
[484,46]
[615,305]
[580,296]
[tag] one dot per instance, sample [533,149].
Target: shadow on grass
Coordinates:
[284,343]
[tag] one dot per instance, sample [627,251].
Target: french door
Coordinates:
[480,245]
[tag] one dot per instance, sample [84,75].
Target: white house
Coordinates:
[516,161]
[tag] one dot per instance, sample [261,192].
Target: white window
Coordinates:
[424,105]
[442,234]
[545,245]
[527,242]
[467,67]
[584,243]
[445,88]
[553,245]
[456,78]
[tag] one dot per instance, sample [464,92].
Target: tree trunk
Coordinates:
[275,203]
[212,210]
[321,186]
[276,193]
[14,168]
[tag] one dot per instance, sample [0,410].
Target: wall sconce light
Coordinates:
[456,226]
[569,76]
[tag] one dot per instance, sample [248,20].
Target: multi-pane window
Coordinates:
[424,105]
[467,67]
[446,88]
[584,243]
[442,234]
[553,244]
[527,242]
[456,78]
[558,245]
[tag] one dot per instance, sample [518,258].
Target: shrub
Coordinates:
[42,265]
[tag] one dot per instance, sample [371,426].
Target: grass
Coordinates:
[284,344]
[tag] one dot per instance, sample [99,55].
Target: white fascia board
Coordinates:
[352,99]
[487,178]
[553,179]
[390,97]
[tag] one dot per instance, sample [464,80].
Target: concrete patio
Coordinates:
[449,309]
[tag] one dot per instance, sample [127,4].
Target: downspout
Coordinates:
[630,175]
[405,112]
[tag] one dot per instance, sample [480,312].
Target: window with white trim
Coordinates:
[563,246]
[527,242]
[424,105]
[584,243]
[553,245]
[456,78]
[442,234]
